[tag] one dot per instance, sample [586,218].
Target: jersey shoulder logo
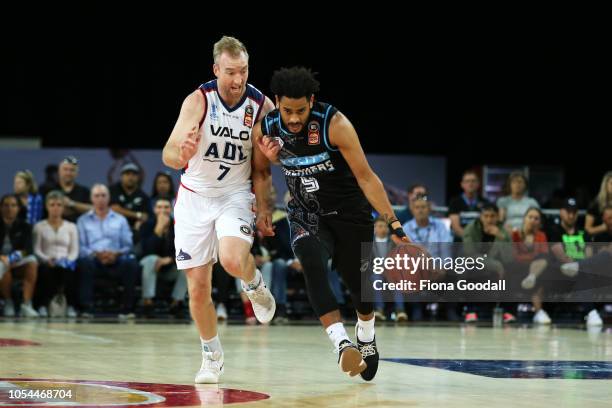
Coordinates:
[313,133]
[248,116]
[214,114]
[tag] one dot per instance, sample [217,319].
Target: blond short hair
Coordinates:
[231,45]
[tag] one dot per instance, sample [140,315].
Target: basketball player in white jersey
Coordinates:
[211,143]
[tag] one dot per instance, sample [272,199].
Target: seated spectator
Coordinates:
[50,180]
[513,206]
[486,235]
[436,237]
[603,258]
[56,245]
[405,214]
[31,202]
[468,201]
[530,251]
[594,219]
[76,197]
[157,236]
[605,236]
[16,259]
[163,187]
[568,244]
[128,199]
[382,246]
[105,242]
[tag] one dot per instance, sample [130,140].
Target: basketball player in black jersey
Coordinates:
[332,190]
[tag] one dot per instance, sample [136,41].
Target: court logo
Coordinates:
[248,116]
[183,256]
[246,230]
[313,133]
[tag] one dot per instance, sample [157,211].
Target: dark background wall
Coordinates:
[483,97]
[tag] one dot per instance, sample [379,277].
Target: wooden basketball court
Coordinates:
[153,364]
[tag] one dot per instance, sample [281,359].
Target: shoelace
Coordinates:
[259,294]
[342,347]
[211,361]
[367,350]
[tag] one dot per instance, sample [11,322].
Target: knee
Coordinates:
[200,293]
[149,261]
[232,264]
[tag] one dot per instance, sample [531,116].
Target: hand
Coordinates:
[189,146]
[398,236]
[163,221]
[264,224]
[102,256]
[161,262]
[112,257]
[68,203]
[296,265]
[5,260]
[269,146]
[492,230]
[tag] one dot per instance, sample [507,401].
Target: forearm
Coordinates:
[171,157]
[594,230]
[126,213]
[262,185]
[81,207]
[375,193]
[456,225]
[85,251]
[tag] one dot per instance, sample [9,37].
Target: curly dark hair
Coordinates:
[295,83]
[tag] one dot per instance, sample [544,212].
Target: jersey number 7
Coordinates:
[224,171]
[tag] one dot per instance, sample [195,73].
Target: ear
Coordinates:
[216,70]
[311,101]
[277,99]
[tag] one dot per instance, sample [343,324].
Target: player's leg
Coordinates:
[349,256]
[6,280]
[313,253]
[196,252]
[234,229]
[199,286]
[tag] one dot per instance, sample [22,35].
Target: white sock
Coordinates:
[365,329]
[211,345]
[337,334]
[255,282]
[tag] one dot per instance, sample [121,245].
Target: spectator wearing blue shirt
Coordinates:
[105,243]
[427,230]
[434,235]
[31,202]
[404,215]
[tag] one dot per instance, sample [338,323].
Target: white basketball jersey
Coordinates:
[222,163]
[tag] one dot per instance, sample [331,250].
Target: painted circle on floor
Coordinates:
[16,342]
[20,392]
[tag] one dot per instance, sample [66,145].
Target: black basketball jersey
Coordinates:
[319,179]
